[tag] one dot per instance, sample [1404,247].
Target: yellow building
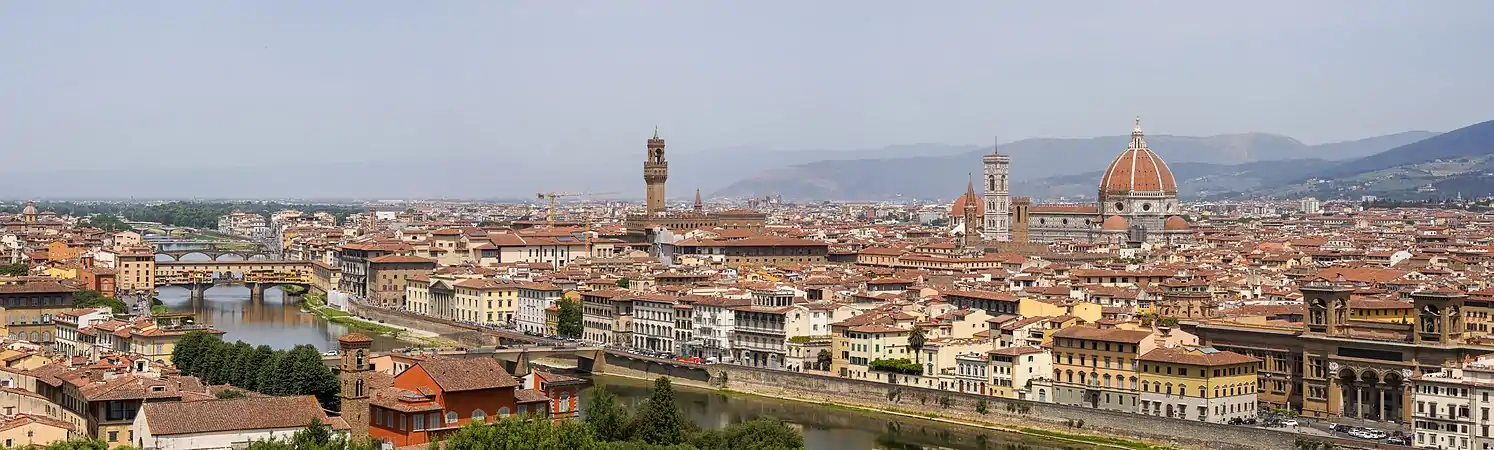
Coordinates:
[25,430]
[1031,307]
[1198,383]
[869,343]
[1380,310]
[1096,367]
[486,300]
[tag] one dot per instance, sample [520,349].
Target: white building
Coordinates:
[760,331]
[534,299]
[1311,206]
[714,324]
[653,323]
[1013,369]
[1453,408]
[812,319]
[70,322]
[226,424]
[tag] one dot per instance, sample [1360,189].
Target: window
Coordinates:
[479,416]
[451,417]
[419,420]
[113,436]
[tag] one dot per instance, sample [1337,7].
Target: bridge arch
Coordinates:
[229,256]
[165,257]
[194,256]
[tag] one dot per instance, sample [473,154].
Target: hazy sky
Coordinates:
[101,83]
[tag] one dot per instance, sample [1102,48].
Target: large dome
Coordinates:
[958,210]
[1137,170]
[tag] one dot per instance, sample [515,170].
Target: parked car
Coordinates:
[1289,423]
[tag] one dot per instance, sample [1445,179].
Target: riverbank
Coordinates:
[314,306]
[1067,436]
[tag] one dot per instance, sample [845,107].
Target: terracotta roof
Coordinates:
[1137,169]
[1107,335]
[453,374]
[1115,223]
[388,259]
[249,413]
[530,396]
[354,337]
[1196,356]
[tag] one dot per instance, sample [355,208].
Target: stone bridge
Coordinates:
[199,276]
[176,249]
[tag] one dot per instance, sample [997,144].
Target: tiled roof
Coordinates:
[1195,356]
[249,413]
[453,374]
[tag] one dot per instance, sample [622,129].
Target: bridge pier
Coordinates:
[198,290]
[256,291]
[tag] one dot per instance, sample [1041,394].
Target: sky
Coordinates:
[211,83]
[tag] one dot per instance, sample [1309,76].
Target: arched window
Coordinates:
[359,362]
[358,387]
[451,417]
[1169,388]
[1202,392]
[46,336]
[1133,383]
[503,412]
[479,416]
[1183,390]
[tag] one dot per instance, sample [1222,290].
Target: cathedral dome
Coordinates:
[1115,223]
[958,210]
[30,209]
[1175,223]
[1137,169]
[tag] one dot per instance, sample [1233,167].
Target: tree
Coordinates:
[106,222]
[228,394]
[268,380]
[236,371]
[823,359]
[916,340]
[79,444]
[188,353]
[517,433]
[220,369]
[94,299]
[568,318]
[659,421]
[249,367]
[607,418]
[306,374]
[15,270]
[624,283]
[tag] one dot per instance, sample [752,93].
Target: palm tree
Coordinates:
[916,339]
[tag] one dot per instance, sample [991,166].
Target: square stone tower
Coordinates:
[997,169]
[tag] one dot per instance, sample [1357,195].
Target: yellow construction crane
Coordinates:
[551,196]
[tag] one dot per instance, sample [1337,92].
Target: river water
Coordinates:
[270,322]
[829,428]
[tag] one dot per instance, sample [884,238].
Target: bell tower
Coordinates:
[655,172]
[353,377]
[998,200]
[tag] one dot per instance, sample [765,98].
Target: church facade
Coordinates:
[1138,202]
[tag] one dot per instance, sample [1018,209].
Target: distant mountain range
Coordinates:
[1206,167]
[1459,162]
[1049,168]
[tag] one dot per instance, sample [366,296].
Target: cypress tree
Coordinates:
[659,421]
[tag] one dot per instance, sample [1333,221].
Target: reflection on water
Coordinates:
[827,428]
[270,322]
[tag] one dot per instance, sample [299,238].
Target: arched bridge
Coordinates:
[199,276]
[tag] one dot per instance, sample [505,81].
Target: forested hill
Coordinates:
[179,213]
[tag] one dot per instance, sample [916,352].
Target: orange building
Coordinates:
[562,392]
[100,279]
[63,251]
[437,396]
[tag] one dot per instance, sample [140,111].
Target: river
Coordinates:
[270,322]
[830,428]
